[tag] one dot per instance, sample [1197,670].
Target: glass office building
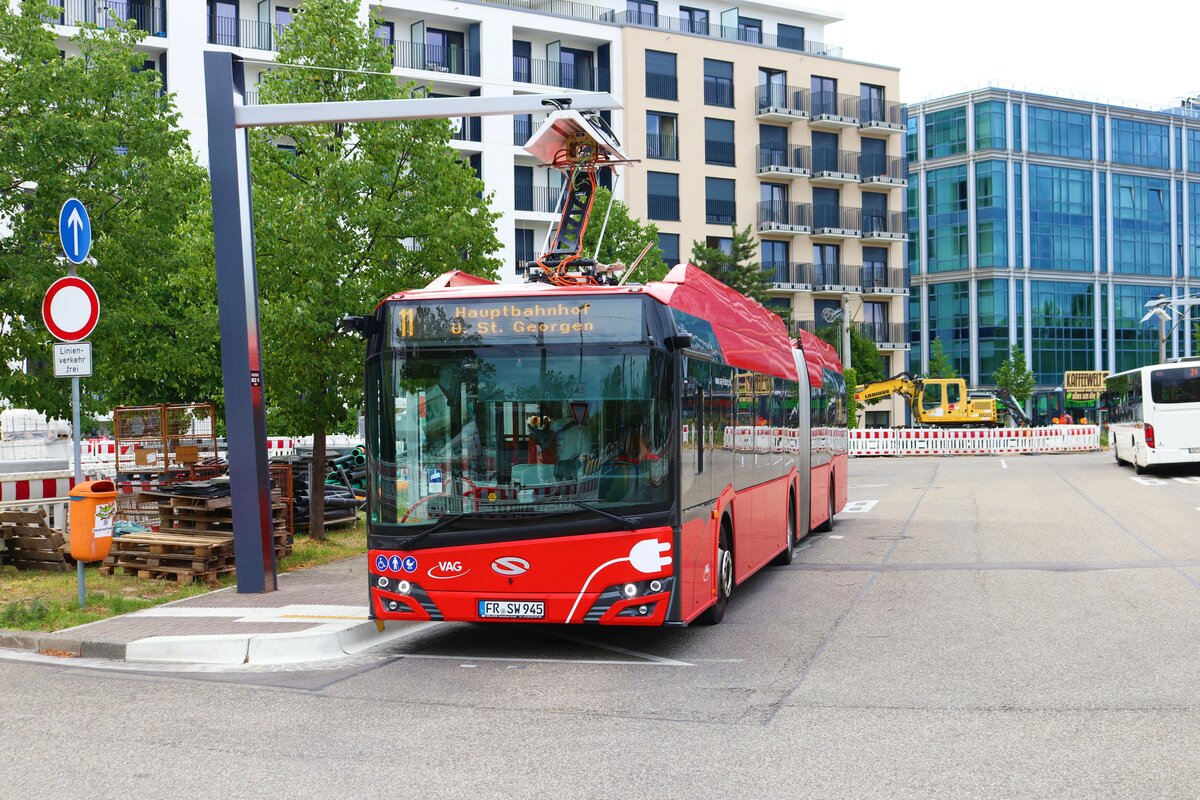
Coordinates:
[1048,223]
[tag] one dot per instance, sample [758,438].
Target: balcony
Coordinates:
[467,129]
[882,171]
[775,103]
[244,33]
[838,278]
[773,161]
[834,167]
[720,212]
[837,222]
[147,15]
[886,226]
[662,207]
[789,275]
[523,129]
[539,199]
[880,280]
[880,117]
[663,146]
[831,111]
[557,73]
[885,335]
[783,217]
[679,25]
[433,58]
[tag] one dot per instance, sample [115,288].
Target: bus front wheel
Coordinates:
[716,612]
[785,558]
[827,525]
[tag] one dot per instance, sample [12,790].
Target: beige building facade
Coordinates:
[803,146]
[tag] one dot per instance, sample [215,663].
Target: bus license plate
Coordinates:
[512,609]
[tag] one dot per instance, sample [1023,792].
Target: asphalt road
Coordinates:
[973,627]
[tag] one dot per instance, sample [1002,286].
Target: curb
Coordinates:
[57,644]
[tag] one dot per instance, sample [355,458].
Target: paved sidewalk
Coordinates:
[315,614]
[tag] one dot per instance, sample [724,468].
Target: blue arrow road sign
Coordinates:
[74,231]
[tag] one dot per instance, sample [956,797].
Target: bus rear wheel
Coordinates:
[716,612]
[788,554]
[827,525]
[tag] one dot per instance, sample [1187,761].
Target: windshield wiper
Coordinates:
[630,523]
[434,528]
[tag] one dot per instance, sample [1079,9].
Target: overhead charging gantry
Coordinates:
[237,282]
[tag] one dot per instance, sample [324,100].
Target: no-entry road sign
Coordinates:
[70,309]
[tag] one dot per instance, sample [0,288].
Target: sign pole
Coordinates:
[76,449]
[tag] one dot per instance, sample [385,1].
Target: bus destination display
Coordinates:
[519,321]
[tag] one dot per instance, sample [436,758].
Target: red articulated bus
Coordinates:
[614,455]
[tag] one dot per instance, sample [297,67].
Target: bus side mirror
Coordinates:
[680,341]
[352,324]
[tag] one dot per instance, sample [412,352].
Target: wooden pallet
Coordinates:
[27,542]
[182,574]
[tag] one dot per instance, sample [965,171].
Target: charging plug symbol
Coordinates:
[647,556]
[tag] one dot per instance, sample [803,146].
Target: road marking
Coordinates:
[859,506]
[1003,464]
[1148,481]
[831,536]
[592,661]
[869,485]
[615,649]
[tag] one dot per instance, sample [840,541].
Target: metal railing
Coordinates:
[718,151]
[718,91]
[467,129]
[147,15]
[661,86]
[773,215]
[662,145]
[831,104]
[662,206]
[832,218]
[787,98]
[771,157]
[888,224]
[844,162]
[433,58]
[720,212]
[876,277]
[556,73]
[879,111]
[522,130]
[788,272]
[885,167]
[244,33]
[883,332]
[542,199]
[836,275]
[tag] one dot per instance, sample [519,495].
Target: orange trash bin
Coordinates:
[93,507]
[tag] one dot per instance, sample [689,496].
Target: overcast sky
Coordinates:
[1145,54]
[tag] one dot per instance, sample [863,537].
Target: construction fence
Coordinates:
[963,442]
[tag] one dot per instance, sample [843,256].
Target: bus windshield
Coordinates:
[494,435]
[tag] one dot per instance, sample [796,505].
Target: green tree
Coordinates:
[347,214]
[98,128]
[868,364]
[736,268]
[851,376]
[939,363]
[1014,376]
[624,238]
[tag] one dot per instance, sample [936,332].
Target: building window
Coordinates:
[993,327]
[1060,133]
[989,125]
[1141,226]
[946,219]
[772,88]
[910,140]
[871,103]
[875,267]
[719,203]
[1064,320]
[722,243]
[946,132]
[575,70]
[718,83]
[223,22]
[693,20]
[1137,342]
[522,188]
[662,196]
[1141,144]
[873,160]
[991,214]
[827,208]
[823,96]
[522,63]
[385,34]
[1060,218]
[668,246]
[824,152]
[718,141]
[775,256]
[662,137]
[791,37]
[950,321]
[444,51]
[827,270]
[642,12]
[750,30]
[524,247]
[661,82]
[874,212]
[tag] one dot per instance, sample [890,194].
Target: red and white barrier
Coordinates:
[19,487]
[975,441]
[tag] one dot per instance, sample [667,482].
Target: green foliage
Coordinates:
[1014,376]
[624,238]
[939,362]
[851,376]
[868,364]
[349,214]
[737,268]
[95,127]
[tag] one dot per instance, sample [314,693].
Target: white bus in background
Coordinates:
[1154,414]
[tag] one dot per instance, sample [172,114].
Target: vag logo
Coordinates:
[447,569]
[510,565]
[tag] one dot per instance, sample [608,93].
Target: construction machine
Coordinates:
[945,402]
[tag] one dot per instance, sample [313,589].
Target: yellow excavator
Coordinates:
[945,402]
